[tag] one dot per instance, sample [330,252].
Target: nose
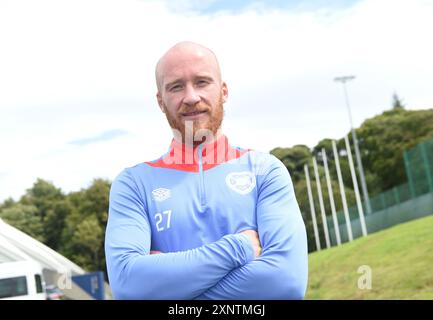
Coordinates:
[191,97]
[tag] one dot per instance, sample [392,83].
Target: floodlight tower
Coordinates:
[343,80]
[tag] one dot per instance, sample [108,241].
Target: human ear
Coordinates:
[160,103]
[225,91]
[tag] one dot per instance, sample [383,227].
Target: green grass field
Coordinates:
[400,258]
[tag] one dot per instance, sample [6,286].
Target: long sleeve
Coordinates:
[281,272]
[135,274]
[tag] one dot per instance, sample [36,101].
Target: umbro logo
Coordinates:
[241,182]
[161,194]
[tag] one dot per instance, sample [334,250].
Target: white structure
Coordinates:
[355,187]
[331,198]
[313,211]
[15,245]
[322,206]
[21,280]
[342,192]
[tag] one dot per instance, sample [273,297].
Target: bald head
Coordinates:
[184,53]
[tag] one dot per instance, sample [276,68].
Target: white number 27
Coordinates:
[160,217]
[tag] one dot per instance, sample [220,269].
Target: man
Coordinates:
[206,220]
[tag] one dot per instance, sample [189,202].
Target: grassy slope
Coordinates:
[401,260]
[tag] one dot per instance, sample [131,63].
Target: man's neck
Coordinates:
[201,140]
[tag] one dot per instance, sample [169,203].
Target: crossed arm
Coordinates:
[225,269]
[136,274]
[281,271]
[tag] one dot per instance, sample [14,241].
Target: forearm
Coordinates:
[134,273]
[281,272]
[272,276]
[177,275]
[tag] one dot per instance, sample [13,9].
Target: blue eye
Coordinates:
[176,88]
[202,83]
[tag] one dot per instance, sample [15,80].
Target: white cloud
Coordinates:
[71,70]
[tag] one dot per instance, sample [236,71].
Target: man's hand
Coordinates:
[254,237]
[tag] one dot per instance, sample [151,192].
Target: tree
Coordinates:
[397,103]
[386,137]
[84,228]
[294,159]
[72,224]
[42,195]
[304,203]
[24,218]
[96,199]
[54,222]
[87,242]
[9,202]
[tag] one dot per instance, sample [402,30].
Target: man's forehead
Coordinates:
[187,56]
[184,59]
[190,60]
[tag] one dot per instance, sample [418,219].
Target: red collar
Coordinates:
[188,158]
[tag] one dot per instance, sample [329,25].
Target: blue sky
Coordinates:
[77,85]
[238,6]
[103,136]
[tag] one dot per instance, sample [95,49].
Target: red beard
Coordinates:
[197,130]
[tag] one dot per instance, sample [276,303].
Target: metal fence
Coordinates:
[409,210]
[419,168]
[405,202]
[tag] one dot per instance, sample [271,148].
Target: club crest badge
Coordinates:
[241,182]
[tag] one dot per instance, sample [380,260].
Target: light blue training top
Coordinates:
[191,205]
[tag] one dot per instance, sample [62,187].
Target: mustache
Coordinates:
[196,108]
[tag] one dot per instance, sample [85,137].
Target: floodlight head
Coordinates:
[344,79]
